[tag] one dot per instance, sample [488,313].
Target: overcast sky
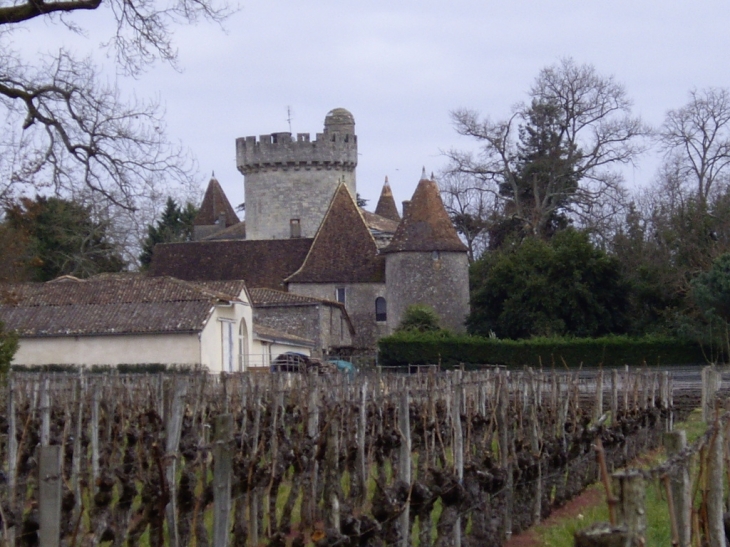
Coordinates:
[400,67]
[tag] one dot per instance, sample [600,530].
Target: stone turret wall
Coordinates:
[295,178]
[439,279]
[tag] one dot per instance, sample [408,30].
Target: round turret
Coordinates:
[339,120]
[426,262]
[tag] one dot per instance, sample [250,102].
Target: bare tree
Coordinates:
[469,208]
[553,160]
[70,129]
[696,141]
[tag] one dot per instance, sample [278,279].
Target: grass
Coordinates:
[561,533]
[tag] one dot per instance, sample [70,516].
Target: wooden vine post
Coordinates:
[630,490]
[681,486]
[49,493]
[404,463]
[222,478]
[715,480]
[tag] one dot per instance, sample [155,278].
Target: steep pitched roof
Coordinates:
[261,263]
[343,251]
[214,204]
[386,204]
[425,226]
[109,305]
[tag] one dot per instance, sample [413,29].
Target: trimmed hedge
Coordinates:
[416,348]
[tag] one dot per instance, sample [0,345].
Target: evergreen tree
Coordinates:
[562,287]
[61,238]
[175,225]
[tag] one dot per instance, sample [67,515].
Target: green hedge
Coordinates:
[415,348]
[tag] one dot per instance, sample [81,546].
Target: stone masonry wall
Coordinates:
[293,179]
[322,324]
[419,278]
[359,303]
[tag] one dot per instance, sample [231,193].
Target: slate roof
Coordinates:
[344,250]
[386,207]
[376,223]
[426,226]
[261,263]
[214,203]
[108,305]
[268,334]
[237,231]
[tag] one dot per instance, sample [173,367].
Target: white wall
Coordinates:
[205,348]
[179,349]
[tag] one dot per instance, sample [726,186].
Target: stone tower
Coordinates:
[289,182]
[426,262]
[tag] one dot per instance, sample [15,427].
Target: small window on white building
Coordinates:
[340,294]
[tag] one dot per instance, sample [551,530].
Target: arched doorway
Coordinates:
[242,346]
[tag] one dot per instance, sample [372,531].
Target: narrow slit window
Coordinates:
[381,309]
[340,294]
[295,227]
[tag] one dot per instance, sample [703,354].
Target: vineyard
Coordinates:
[465,458]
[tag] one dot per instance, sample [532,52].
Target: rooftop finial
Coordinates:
[423,173]
[386,179]
[213,175]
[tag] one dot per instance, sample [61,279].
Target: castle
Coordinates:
[305,242]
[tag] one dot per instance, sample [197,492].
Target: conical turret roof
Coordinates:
[343,250]
[214,204]
[386,204]
[426,226]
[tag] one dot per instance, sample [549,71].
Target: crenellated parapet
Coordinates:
[279,151]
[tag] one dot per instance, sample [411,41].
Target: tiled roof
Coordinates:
[266,333]
[426,226]
[386,204]
[261,263]
[214,203]
[271,297]
[377,223]
[237,231]
[107,305]
[343,251]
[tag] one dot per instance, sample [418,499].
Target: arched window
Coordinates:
[381,309]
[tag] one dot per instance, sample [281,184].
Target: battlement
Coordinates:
[329,150]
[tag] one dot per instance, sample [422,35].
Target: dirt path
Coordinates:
[529,538]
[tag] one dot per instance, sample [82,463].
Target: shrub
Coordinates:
[419,318]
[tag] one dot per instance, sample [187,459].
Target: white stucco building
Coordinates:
[131,319]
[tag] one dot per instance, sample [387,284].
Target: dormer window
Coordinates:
[295,228]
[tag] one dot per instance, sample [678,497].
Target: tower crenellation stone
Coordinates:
[290,181]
